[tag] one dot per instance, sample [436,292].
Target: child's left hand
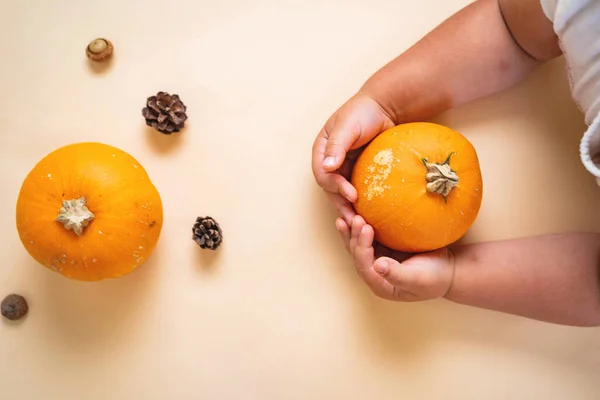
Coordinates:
[394,275]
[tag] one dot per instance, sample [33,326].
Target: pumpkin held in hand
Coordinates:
[89,212]
[419,186]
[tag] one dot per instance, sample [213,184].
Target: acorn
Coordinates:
[14,307]
[99,49]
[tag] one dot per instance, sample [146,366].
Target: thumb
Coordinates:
[358,121]
[339,141]
[427,275]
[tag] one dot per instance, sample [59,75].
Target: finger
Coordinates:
[425,275]
[393,272]
[343,207]
[343,187]
[331,181]
[323,178]
[344,231]
[348,165]
[355,123]
[363,261]
[339,137]
[357,225]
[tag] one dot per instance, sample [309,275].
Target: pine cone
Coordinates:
[165,113]
[207,233]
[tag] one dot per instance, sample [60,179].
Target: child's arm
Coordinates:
[552,278]
[486,47]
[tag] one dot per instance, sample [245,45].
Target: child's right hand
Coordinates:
[338,144]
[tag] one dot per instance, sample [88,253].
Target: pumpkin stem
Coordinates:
[440,177]
[75,215]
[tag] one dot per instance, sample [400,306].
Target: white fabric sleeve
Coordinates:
[577,25]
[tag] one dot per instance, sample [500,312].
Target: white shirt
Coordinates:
[577,25]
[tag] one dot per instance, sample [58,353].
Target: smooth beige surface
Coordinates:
[278,311]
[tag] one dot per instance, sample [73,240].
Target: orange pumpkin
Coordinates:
[89,212]
[419,186]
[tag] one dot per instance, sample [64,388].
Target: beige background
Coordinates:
[278,312]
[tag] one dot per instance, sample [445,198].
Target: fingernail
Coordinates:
[382,267]
[329,162]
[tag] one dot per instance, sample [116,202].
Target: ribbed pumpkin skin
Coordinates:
[390,177]
[127,207]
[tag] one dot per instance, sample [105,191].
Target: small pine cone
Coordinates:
[207,233]
[165,113]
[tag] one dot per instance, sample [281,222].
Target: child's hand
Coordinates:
[394,275]
[338,144]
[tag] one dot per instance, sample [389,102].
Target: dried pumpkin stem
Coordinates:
[74,215]
[440,177]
